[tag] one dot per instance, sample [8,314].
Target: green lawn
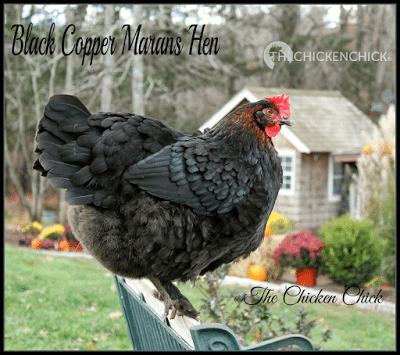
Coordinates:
[58,303]
[352,328]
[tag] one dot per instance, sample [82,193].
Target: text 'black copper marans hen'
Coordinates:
[147,200]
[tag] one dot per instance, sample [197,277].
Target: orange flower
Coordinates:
[257,272]
[64,245]
[35,244]
[268,231]
[367,149]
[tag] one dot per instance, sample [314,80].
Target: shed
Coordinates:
[319,153]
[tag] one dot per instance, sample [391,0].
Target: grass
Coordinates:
[352,328]
[59,303]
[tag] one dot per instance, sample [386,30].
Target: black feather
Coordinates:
[56,166]
[72,153]
[79,196]
[61,182]
[50,126]
[73,125]
[82,177]
[70,105]
[50,143]
[98,165]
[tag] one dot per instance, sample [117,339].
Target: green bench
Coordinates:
[150,330]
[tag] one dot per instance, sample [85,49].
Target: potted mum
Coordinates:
[301,251]
[48,237]
[32,229]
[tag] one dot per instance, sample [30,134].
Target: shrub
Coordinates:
[352,254]
[386,232]
[245,319]
[301,250]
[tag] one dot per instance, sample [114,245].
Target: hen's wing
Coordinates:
[87,154]
[195,173]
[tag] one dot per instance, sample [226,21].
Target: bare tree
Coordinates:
[22,116]
[137,72]
[108,62]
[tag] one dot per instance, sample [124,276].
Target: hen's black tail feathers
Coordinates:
[65,118]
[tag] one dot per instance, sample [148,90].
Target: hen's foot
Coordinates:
[174,300]
[183,307]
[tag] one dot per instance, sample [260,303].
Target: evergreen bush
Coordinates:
[352,254]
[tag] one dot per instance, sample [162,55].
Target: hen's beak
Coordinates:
[286,120]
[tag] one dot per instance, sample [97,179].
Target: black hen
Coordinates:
[149,201]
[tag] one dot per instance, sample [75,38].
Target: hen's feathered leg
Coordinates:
[173,299]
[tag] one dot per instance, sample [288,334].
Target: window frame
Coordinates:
[331,176]
[288,153]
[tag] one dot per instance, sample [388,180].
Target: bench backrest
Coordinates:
[150,330]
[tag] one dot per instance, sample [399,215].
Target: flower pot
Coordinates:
[306,277]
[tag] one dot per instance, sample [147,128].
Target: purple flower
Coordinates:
[299,250]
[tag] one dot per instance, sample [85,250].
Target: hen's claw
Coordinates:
[183,307]
[180,307]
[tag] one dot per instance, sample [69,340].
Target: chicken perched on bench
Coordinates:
[147,200]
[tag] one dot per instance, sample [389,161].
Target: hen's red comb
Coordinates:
[282,103]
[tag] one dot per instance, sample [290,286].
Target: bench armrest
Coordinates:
[280,342]
[217,337]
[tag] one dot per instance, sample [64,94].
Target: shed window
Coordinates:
[336,173]
[288,166]
[337,177]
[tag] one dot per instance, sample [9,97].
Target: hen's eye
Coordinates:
[268,111]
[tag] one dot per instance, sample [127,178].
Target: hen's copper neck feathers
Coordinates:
[241,131]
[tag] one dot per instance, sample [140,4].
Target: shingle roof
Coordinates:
[324,121]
